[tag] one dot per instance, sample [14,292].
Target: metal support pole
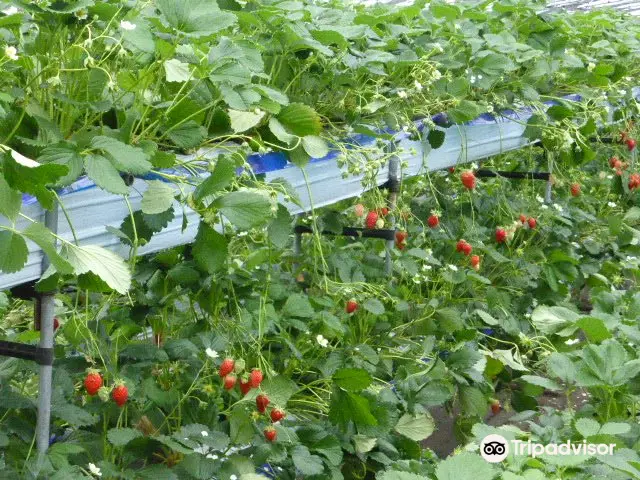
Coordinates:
[394,187]
[547,193]
[46,307]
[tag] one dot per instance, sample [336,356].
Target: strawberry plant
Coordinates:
[249,353]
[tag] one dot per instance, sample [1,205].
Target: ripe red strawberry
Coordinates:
[384,211]
[468,179]
[575,189]
[452,169]
[56,323]
[359,210]
[92,382]
[501,235]
[245,386]
[495,406]
[631,144]
[230,381]
[352,306]
[614,161]
[401,240]
[277,414]
[372,218]
[270,434]
[433,221]
[460,245]
[475,262]
[634,181]
[532,222]
[466,249]
[261,402]
[255,378]
[120,394]
[226,367]
[523,218]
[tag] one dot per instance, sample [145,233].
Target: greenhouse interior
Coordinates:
[320,239]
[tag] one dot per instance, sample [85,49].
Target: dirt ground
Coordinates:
[443,441]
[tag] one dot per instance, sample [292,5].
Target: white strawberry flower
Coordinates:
[572,341]
[418,85]
[127,25]
[323,342]
[437,75]
[453,268]
[402,94]
[95,470]
[11,52]
[211,353]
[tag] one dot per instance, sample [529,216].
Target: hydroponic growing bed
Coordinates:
[157,160]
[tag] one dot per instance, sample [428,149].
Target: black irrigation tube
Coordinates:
[352,232]
[513,175]
[42,356]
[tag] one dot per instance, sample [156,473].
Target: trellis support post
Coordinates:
[46,306]
[393,184]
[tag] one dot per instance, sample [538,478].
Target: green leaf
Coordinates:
[279,389]
[189,134]
[42,236]
[195,18]
[541,382]
[108,266]
[587,427]
[280,132]
[300,119]
[157,198]
[373,305]
[614,428]
[315,146]
[350,407]
[393,475]
[280,229]
[124,157]
[562,367]
[63,154]
[298,305]
[305,462]
[156,472]
[28,176]
[13,252]
[594,328]
[352,379]
[364,444]
[243,121]
[121,436]
[465,466]
[72,414]
[176,71]
[223,174]
[246,208]
[486,318]
[240,426]
[10,200]
[417,426]
[210,249]
[472,401]
[105,175]
[199,467]
[549,320]
[436,138]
